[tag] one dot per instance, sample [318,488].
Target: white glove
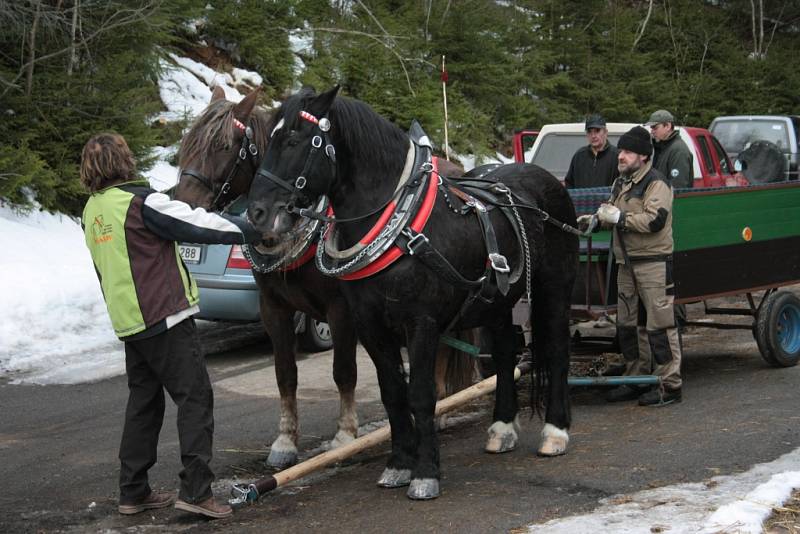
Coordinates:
[608,214]
[584,221]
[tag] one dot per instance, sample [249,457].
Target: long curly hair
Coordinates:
[106,159]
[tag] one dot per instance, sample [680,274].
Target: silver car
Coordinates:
[228,292]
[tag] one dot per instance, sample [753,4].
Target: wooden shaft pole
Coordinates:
[375,437]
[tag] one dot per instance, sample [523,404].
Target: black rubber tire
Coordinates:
[777,329]
[316,337]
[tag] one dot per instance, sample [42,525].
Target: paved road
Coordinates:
[58,450]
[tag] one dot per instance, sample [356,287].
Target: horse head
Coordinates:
[221,152]
[299,166]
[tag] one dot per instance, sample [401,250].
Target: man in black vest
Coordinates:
[593,165]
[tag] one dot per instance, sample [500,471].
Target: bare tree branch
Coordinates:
[642,26]
[120,18]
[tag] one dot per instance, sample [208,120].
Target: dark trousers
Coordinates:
[171,360]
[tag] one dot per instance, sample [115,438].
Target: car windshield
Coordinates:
[556,151]
[736,136]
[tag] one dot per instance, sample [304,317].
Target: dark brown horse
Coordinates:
[217,165]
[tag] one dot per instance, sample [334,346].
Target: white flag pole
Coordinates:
[444,96]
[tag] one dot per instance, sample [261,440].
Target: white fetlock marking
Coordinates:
[341,438]
[502,436]
[554,441]
[284,443]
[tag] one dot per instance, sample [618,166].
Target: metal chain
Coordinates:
[321,252]
[525,245]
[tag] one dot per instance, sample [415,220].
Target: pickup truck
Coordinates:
[555,144]
[767,145]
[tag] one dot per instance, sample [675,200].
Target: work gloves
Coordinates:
[608,214]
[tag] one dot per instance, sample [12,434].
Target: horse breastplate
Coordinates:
[374,251]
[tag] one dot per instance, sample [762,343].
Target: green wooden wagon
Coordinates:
[735,241]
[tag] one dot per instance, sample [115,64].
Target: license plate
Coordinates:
[190,253]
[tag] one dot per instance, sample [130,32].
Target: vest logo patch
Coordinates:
[101,232]
[674,173]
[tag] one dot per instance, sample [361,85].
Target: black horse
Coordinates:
[424,255]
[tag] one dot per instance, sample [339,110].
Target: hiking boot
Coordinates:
[151,502]
[623,393]
[656,398]
[209,508]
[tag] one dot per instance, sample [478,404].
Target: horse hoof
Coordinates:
[341,438]
[554,441]
[394,478]
[423,489]
[281,459]
[502,437]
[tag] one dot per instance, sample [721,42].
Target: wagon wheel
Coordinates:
[777,329]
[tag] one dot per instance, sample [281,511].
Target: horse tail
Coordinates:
[455,369]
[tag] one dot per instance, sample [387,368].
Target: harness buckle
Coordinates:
[426,167]
[414,241]
[242,153]
[316,141]
[499,263]
[253,149]
[499,187]
[300,183]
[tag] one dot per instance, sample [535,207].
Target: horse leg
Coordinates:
[503,434]
[279,323]
[551,342]
[345,372]
[385,354]
[423,338]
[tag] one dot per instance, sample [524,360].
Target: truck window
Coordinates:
[706,161]
[737,135]
[555,151]
[724,164]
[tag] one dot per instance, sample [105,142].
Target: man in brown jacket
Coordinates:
[640,213]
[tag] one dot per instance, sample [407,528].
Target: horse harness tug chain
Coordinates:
[248,151]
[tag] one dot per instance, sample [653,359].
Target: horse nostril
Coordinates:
[257,214]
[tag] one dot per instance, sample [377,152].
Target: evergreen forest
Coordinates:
[72,68]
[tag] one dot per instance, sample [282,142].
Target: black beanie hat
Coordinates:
[637,140]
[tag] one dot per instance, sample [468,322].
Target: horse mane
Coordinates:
[214,130]
[356,129]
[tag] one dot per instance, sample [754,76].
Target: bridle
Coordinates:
[248,151]
[296,188]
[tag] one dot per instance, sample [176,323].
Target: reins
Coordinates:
[500,188]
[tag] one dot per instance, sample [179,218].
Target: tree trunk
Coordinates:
[32,49]
[73,50]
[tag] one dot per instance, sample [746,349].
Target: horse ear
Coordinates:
[322,103]
[218,93]
[243,109]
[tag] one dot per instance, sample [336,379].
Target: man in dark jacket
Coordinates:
[671,156]
[131,232]
[593,165]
